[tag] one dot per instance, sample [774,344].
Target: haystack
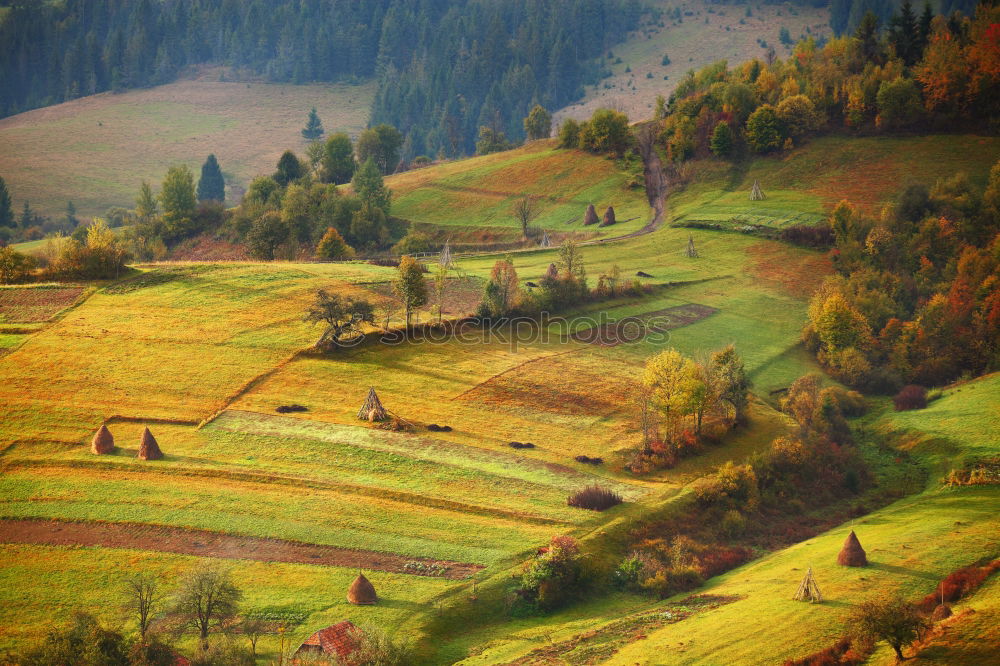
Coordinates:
[148,448]
[590,217]
[445,258]
[609,217]
[852,554]
[941,612]
[361,592]
[545,242]
[756,194]
[372,410]
[691,251]
[103,441]
[808,589]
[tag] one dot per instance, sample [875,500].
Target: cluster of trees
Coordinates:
[205,603]
[445,68]
[29,225]
[95,254]
[685,402]
[607,132]
[920,73]
[744,505]
[846,15]
[916,297]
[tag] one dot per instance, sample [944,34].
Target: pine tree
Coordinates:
[314,126]
[211,185]
[6,207]
[370,187]
[924,34]
[26,215]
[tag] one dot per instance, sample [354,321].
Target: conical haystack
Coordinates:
[941,612]
[852,554]
[361,592]
[103,441]
[590,217]
[691,251]
[808,589]
[609,217]
[445,258]
[756,194]
[148,448]
[545,242]
[372,410]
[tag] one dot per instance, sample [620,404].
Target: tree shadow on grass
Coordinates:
[903,571]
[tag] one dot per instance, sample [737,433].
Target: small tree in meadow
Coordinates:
[410,286]
[314,126]
[524,211]
[569,134]
[211,185]
[333,247]
[342,316]
[538,124]
[206,600]
[890,619]
[142,598]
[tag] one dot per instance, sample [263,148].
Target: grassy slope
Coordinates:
[479,192]
[691,44]
[911,544]
[94,151]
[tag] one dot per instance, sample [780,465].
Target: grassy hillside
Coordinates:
[706,33]
[203,354]
[476,195]
[94,151]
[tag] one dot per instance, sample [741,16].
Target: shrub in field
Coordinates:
[910,397]
[958,585]
[554,577]
[14,266]
[594,498]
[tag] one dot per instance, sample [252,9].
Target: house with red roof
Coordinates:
[338,640]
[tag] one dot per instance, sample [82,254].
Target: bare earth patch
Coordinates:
[30,305]
[214,544]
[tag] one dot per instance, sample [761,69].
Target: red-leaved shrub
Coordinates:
[715,561]
[910,397]
[957,585]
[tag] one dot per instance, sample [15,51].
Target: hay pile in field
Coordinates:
[521,445]
[148,448]
[361,592]
[589,460]
[372,410]
[590,217]
[545,242]
[852,554]
[643,274]
[103,441]
[941,612]
[756,194]
[609,217]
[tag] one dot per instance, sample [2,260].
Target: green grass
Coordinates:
[480,191]
[96,575]
[96,150]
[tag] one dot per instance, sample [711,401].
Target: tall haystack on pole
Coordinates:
[609,217]
[362,592]
[148,448]
[852,554]
[808,589]
[590,217]
[103,441]
[756,194]
[372,410]
[445,258]
[691,251]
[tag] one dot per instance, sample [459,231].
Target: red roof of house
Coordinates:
[339,639]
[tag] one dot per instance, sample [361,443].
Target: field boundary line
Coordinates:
[241,476]
[516,367]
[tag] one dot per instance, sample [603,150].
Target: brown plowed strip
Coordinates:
[215,544]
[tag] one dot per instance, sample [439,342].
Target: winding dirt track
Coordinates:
[214,544]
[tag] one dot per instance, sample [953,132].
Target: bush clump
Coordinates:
[594,498]
[910,397]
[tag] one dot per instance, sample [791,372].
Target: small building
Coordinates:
[338,641]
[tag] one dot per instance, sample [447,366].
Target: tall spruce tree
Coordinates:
[314,126]
[71,220]
[6,207]
[211,185]
[904,34]
[370,187]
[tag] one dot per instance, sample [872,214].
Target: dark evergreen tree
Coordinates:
[924,34]
[338,159]
[905,35]
[314,127]
[27,216]
[289,170]
[211,185]
[867,34]
[71,220]
[370,187]
[6,206]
